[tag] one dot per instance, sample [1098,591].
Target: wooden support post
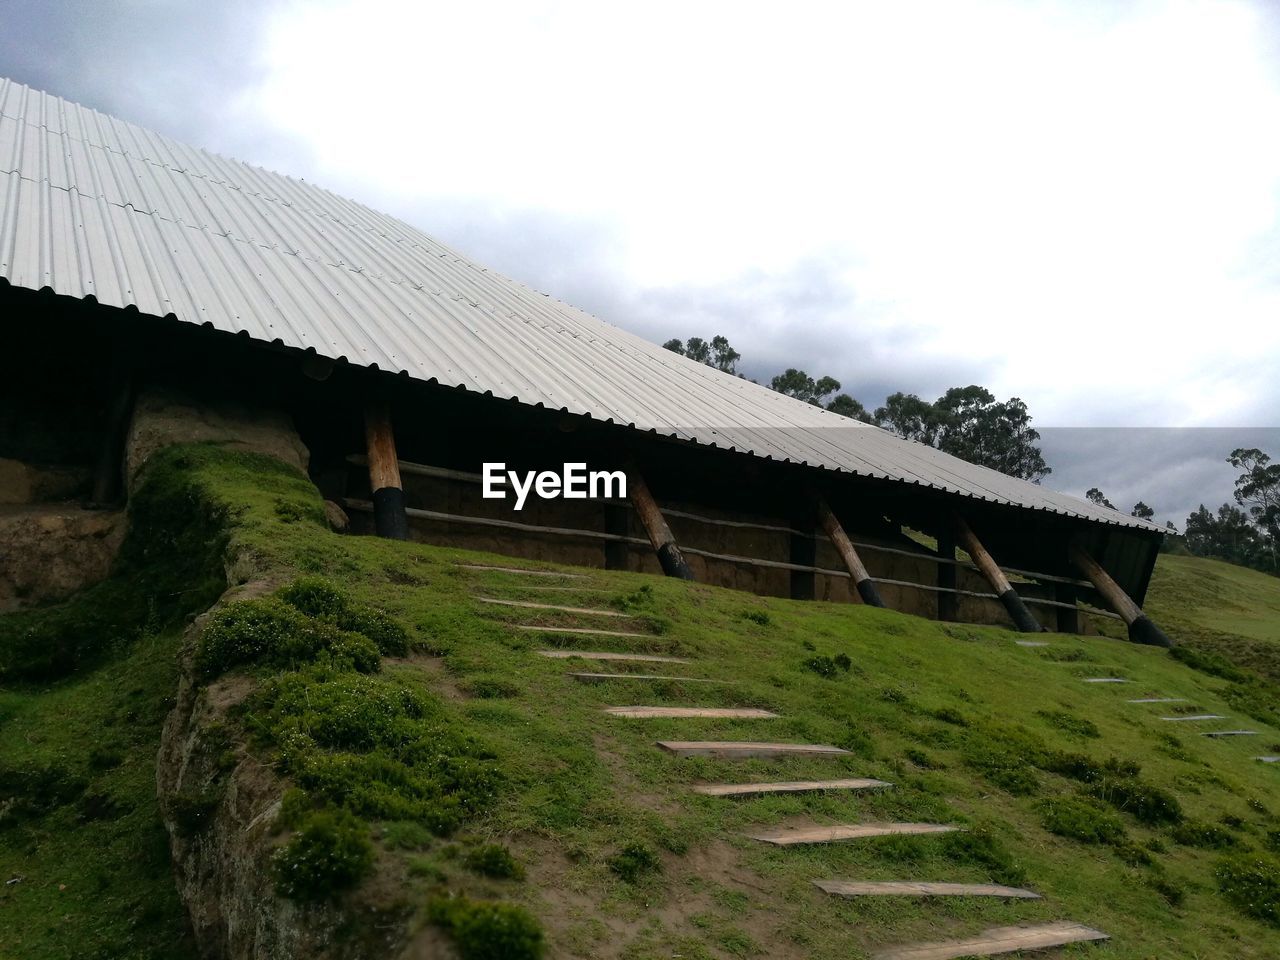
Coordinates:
[109,481]
[804,552]
[615,522]
[1068,618]
[947,602]
[866,587]
[1141,629]
[389,517]
[1022,618]
[655,525]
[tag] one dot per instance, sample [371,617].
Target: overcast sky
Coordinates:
[1075,203]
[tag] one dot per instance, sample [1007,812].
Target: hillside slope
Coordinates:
[462,769]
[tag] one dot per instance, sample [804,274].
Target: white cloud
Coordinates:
[1069,196]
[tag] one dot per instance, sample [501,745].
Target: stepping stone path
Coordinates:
[594,633]
[996,941]
[521,570]
[787,786]
[850,831]
[1198,716]
[735,748]
[602,677]
[1159,700]
[990,942]
[1230,733]
[530,605]
[912,888]
[607,655]
[648,713]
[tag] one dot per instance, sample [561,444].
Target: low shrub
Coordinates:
[756,616]
[1005,768]
[1173,892]
[1195,833]
[982,848]
[1069,723]
[330,853]
[488,931]
[922,759]
[1081,819]
[491,688]
[1252,885]
[633,862]
[494,860]
[950,715]
[320,599]
[828,667]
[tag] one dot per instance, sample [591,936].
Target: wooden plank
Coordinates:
[1032,643]
[1106,680]
[521,570]
[661,538]
[1267,759]
[1141,629]
[606,655]
[996,941]
[602,677]
[913,888]
[1230,733]
[847,831]
[787,786]
[737,748]
[531,605]
[539,628]
[710,713]
[1198,716]
[1159,700]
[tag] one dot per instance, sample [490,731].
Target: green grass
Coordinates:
[472,743]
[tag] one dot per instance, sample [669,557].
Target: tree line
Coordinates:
[1246,533]
[970,423]
[966,422]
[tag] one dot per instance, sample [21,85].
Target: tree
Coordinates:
[1229,535]
[1142,511]
[910,417]
[1258,490]
[847,406]
[969,423]
[798,384]
[1094,495]
[718,353]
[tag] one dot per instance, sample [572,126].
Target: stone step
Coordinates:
[737,748]
[848,831]
[522,570]
[531,605]
[650,713]
[1230,733]
[595,633]
[1198,716]
[914,888]
[997,940]
[653,677]
[1159,700]
[607,655]
[787,786]
[1106,680]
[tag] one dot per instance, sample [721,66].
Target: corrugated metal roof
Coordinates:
[93,206]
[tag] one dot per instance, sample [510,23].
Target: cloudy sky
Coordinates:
[1075,203]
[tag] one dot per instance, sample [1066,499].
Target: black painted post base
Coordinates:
[1143,630]
[869,594]
[673,562]
[1022,618]
[389,517]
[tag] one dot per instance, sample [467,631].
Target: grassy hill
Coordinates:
[440,769]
